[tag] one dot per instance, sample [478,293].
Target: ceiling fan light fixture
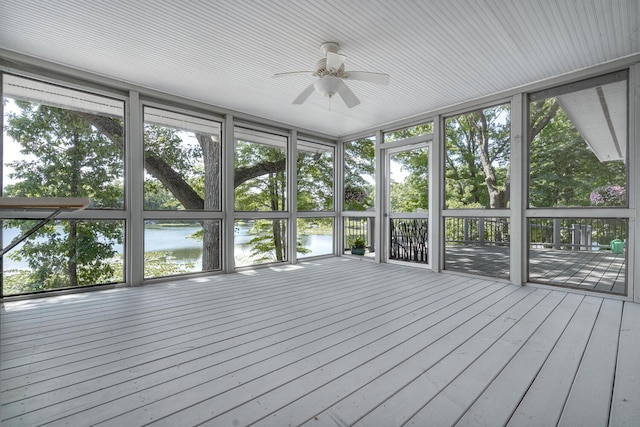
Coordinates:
[327,85]
[331,75]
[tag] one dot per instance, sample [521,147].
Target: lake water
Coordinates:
[178,241]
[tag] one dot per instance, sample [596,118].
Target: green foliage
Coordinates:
[262,193]
[357,242]
[157,197]
[413,192]
[168,144]
[64,157]
[182,154]
[269,241]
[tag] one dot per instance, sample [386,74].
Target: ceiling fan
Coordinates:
[331,75]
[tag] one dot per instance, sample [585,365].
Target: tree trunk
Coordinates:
[497,197]
[211,228]
[277,240]
[274,191]
[74,191]
[72,246]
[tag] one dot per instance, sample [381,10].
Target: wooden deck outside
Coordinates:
[323,343]
[601,271]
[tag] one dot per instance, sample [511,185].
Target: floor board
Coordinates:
[326,342]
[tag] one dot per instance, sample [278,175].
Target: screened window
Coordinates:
[181,246]
[260,241]
[62,142]
[359,175]
[359,235]
[315,176]
[182,161]
[583,253]
[578,144]
[260,171]
[409,132]
[62,254]
[477,245]
[477,159]
[409,180]
[315,237]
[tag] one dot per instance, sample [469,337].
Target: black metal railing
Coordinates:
[409,240]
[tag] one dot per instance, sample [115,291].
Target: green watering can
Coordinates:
[617,246]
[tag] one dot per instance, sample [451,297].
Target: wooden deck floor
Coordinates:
[600,271]
[323,343]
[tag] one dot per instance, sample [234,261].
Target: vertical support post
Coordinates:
[466,231]
[435,242]
[381,177]
[557,235]
[575,237]
[292,195]
[586,229]
[633,254]
[134,167]
[338,200]
[519,244]
[481,224]
[228,196]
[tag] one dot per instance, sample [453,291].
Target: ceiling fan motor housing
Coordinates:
[321,69]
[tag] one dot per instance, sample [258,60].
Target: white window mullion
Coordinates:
[380,218]
[517,221]
[633,254]
[338,199]
[292,190]
[228,201]
[134,155]
[436,189]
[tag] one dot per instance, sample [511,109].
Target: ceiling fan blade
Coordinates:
[347,95]
[334,61]
[293,73]
[304,95]
[365,76]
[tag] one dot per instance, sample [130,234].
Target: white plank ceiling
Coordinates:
[224,53]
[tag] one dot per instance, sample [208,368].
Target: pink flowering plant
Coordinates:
[355,198]
[609,195]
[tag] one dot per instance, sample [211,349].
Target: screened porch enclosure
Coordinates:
[362,213]
[436,194]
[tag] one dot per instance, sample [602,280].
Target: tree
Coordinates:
[477,159]
[315,181]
